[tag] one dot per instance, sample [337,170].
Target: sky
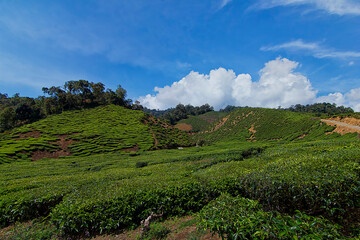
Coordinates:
[260,53]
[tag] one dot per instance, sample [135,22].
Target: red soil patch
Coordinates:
[62,142]
[37,155]
[132,149]
[347,120]
[302,136]
[223,121]
[253,131]
[343,129]
[33,134]
[183,127]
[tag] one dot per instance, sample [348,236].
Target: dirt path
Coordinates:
[341,127]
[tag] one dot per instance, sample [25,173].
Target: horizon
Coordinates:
[221,52]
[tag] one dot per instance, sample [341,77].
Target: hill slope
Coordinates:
[254,124]
[84,132]
[199,122]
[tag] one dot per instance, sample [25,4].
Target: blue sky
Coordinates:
[258,53]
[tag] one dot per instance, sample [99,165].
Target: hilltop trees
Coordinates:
[326,108]
[84,94]
[16,110]
[181,112]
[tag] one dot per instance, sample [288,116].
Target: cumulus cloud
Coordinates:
[339,7]
[351,99]
[279,85]
[313,49]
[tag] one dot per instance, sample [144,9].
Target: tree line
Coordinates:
[16,110]
[181,111]
[326,108]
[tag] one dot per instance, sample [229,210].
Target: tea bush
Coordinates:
[241,218]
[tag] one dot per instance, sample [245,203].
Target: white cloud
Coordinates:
[224,3]
[339,7]
[278,85]
[353,98]
[350,99]
[314,49]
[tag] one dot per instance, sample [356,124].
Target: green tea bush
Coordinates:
[104,192]
[141,164]
[97,215]
[241,218]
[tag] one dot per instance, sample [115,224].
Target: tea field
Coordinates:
[202,122]
[319,180]
[254,124]
[262,174]
[90,131]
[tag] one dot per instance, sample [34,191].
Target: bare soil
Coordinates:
[132,149]
[178,232]
[183,127]
[63,143]
[341,129]
[33,134]
[223,121]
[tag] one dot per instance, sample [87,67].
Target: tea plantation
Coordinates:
[239,188]
[90,131]
[253,124]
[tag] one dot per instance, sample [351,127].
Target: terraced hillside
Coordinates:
[91,131]
[254,124]
[201,122]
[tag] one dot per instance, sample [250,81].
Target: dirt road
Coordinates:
[341,127]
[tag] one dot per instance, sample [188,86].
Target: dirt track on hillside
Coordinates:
[342,127]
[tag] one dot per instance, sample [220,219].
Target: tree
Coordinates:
[7,119]
[23,112]
[137,106]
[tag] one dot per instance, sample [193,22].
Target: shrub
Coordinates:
[241,218]
[141,164]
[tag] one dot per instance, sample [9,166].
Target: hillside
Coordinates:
[199,123]
[308,186]
[90,131]
[260,124]
[110,192]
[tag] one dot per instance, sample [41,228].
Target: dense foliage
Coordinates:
[173,115]
[327,108]
[242,218]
